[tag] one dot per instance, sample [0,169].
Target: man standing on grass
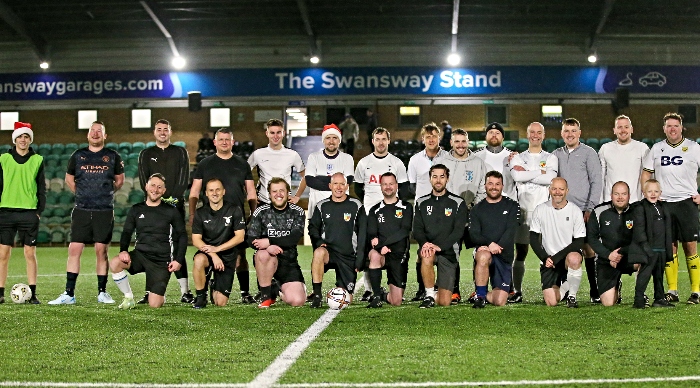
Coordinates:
[438,226]
[367,173]
[322,164]
[674,163]
[22,199]
[338,232]
[467,174]
[557,231]
[609,232]
[218,229]
[496,156]
[174,163]
[532,171]
[161,242]
[388,231]
[580,166]
[234,173]
[492,226]
[275,230]
[622,160]
[94,174]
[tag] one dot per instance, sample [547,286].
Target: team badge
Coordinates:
[448,211]
[429,209]
[543,163]
[106,158]
[567,218]
[227,220]
[470,176]
[629,224]
[684,149]
[346,216]
[399,213]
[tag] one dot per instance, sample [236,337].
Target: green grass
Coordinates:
[177,344]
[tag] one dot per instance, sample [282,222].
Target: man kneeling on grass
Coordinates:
[218,228]
[156,224]
[492,226]
[275,230]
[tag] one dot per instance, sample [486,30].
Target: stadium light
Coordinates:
[178,62]
[314,59]
[593,58]
[44,65]
[454,59]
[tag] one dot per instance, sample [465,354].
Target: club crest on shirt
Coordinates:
[629,224]
[346,217]
[684,149]
[429,209]
[227,220]
[470,176]
[543,163]
[448,211]
[106,158]
[399,213]
[567,218]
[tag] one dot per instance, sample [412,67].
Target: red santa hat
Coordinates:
[330,129]
[22,128]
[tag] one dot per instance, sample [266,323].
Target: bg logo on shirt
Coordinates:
[667,160]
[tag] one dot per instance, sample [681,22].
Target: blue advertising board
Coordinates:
[354,81]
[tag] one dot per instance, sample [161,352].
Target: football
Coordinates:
[337,298]
[20,293]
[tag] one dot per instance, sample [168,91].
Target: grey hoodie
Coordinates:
[466,177]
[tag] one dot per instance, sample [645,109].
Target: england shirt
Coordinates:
[370,169]
[558,227]
[675,167]
[622,163]
[274,163]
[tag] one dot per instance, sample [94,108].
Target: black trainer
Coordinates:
[366,296]
[428,302]
[375,302]
[316,302]
[662,303]
[595,300]
[646,300]
[200,301]
[472,297]
[143,300]
[33,300]
[187,297]
[479,303]
[420,295]
[2,299]
[310,297]
[639,304]
[571,302]
[517,297]
[671,297]
[694,298]
[248,299]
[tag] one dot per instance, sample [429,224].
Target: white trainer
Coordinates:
[104,297]
[63,299]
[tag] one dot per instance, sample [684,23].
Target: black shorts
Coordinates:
[607,276]
[446,272]
[287,272]
[24,222]
[501,273]
[91,226]
[396,266]
[156,269]
[684,216]
[345,275]
[551,277]
[221,281]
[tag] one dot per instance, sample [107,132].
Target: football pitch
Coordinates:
[91,345]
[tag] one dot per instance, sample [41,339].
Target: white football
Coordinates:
[337,298]
[20,293]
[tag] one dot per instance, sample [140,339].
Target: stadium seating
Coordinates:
[593,143]
[44,149]
[132,159]
[150,144]
[44,235]
[510,144]
[136,196]
[131,171]
[70,148]
[397,146]
[56,185]
[57,148]
[65,198]
[58,235]
[124,147]
[83,145]
[5,148]
[61,211]
[121,198]
[128,184]
[51,160]
[117,233]
[137,147]
[113,146]
[180,144]
[550,145]
[605,140]
[480,144]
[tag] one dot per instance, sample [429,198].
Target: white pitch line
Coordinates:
[50,384]
[493,383]
[271,375]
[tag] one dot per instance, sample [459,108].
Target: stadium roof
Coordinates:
[82,35]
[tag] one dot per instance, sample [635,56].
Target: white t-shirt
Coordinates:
[533,186]
[319,164]
[499,162]
[368,171]
[418,168]
[274,163]
[558,227]
[676,168]
[622,163]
